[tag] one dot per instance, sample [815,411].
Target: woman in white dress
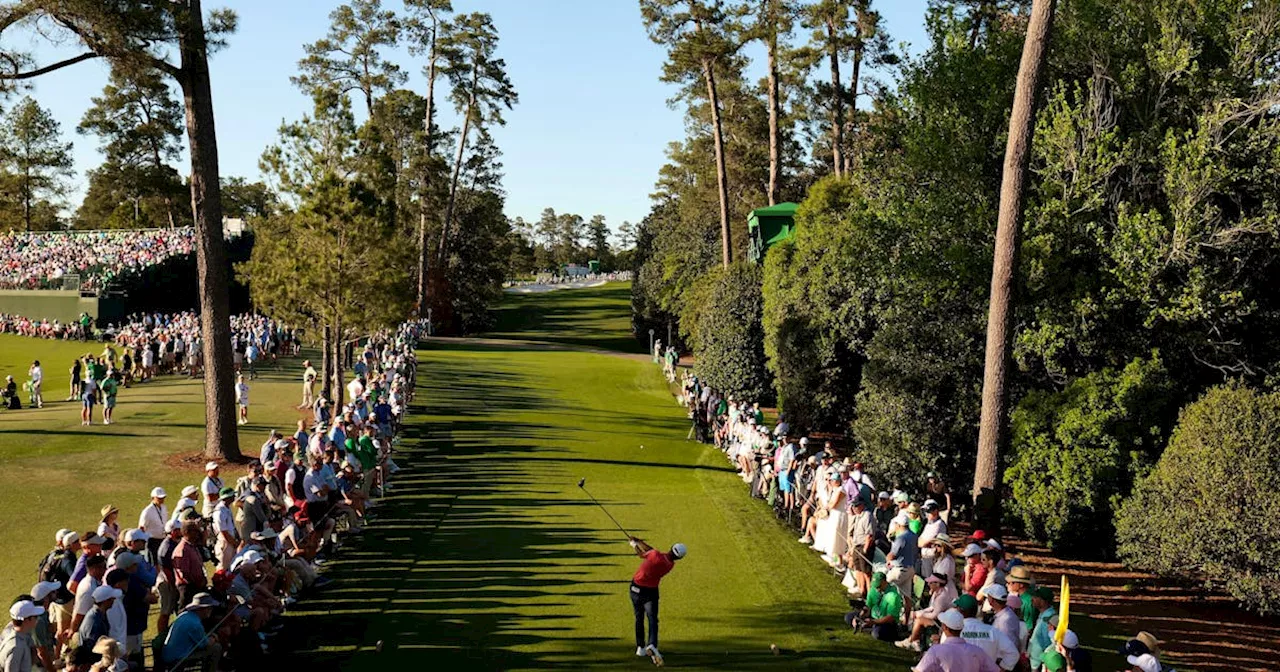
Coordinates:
[833,531]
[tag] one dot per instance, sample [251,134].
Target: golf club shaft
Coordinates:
[606,511]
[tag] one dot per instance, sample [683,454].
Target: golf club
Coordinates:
[582,485]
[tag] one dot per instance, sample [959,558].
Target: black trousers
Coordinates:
[153,552]
[644,601]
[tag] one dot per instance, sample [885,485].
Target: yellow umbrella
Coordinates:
[1064,611]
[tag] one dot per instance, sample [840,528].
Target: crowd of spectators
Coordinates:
[140,348]
[962,601]
[41,260]
[219,568]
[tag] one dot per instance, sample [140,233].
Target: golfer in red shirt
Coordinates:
[644,593]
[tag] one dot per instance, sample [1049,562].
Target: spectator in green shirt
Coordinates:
[882,611]
[109,389]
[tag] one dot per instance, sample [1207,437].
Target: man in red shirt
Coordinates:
[644,593]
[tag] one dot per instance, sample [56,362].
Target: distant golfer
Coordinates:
[644,593]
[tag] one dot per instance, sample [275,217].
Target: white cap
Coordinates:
[249,557]
[41,590]
[210,466]
[1146,662]
[992,543]
[70,538]
[1070,640]
[953,619]
[679,550]
[103,593]
[190,490]
[57,536]
[804,440]
[158,492]
[972,550]
[24,609]
[136,535]
[996,592]
[902,519]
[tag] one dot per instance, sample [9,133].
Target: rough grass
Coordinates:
[55,473]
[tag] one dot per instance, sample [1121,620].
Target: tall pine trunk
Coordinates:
[339,389]
[457,170]
[221,440]
[722,177]
[326,363]
[775,158]
[837,102]
[993,434]
[854,81]
[424,247]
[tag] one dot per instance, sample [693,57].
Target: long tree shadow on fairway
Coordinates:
[433,577]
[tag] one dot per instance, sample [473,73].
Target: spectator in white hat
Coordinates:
[152,519]
[953,653]
[1006,620]
[242,399]
[209,488]
[189,502]
[942,592]
[16,646]
[1143,663]
[933,526]
[95,569]
[975,573]
[166,581]
[95,625]
[44,638]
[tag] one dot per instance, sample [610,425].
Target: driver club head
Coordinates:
[582,482]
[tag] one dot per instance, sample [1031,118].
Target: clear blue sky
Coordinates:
[588,135]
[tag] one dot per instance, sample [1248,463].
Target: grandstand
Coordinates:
[85,261]
[106,273]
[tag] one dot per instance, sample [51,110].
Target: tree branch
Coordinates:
[49,68]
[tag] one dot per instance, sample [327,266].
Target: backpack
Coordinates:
[51,568]
[298,492]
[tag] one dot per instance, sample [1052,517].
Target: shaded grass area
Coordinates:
[599,317]
[55,473]
[488,557]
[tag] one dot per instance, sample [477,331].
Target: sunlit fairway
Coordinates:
[489,557]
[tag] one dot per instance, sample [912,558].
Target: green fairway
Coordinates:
[55,473]
[488,556]
[599,317]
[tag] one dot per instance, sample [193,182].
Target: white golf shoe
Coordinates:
[654,654]
[640,652]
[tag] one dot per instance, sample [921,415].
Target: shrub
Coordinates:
[1207,510]
[1075,452]
[728,339]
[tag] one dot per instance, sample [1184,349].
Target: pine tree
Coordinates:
[38,162]
[698,35]
[350,57]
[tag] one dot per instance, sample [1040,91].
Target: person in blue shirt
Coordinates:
[187,639]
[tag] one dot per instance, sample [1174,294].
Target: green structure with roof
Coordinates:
[767,226]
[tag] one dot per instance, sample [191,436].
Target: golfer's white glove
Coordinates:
[632,542]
